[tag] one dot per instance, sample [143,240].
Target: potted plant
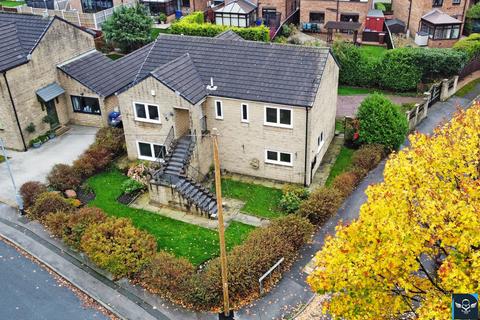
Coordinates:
[36,143]
[162,18]
[30,128]
[51,134]
[44,138]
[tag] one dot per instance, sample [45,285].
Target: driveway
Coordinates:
[35,164]
[347,105]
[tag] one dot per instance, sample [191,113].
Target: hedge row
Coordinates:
[470,45]
[109,143]
[399,69]
[194,25]
[324,202]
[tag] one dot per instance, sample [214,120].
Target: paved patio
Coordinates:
[35,164]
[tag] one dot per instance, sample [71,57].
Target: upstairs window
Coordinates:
[218,109]
[146,112]
[278,117]
[87,105]
[437,3]
[244,111]
[456,2]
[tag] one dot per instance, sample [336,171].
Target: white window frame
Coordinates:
[221,108]
[139,156]
[147,112]
[278,124]
[322,142]
[278,162]
[241,113]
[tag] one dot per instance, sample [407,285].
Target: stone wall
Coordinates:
[329,7]
[61,42]
[9,130]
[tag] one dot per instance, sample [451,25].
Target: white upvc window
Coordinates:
[146,112]
[278,157]
[244,112]
[320,142]
[278,117]
[151,151]
[218,110]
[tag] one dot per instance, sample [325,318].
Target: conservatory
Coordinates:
[237,13]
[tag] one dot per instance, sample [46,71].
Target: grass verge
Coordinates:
[341,165]
[466,89]
[195,243]
[259,200]
[11,3]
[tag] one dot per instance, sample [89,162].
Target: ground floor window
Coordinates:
[88,105]
[440,32]
[151,151]
[320,142]
[277,157]
[92,6]
[235,19]
[157,7]
[317,17]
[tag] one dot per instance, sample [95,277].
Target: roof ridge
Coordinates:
[143,63]
[187,55]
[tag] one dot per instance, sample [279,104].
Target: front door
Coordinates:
[52,114]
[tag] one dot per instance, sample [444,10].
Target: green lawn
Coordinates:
[342,163]
[339,125]
[351,91]
[11,3]
[468,88]
[372,52]
[259,200]
[195,243]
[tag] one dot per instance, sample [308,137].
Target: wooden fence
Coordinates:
[86,20]
[470,67]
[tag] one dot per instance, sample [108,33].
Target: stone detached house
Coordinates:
[31,47]
[439,21]
[322,11]
[273,105]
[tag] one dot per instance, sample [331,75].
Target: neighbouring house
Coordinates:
[436,23]
[320,12]
[169,7]
[81,6]
[273,105]
[236,13]
[30,90]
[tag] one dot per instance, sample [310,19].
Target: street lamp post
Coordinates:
[18,198]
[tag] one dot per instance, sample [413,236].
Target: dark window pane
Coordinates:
[153,112]
[145,149]
[141,112]
[286,117]
[272,115]
[272,155]
[317,17]
[244,112]
[160,151]
[285,157]
[86,105]
[219,109]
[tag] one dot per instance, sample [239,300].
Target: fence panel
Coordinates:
[470,67]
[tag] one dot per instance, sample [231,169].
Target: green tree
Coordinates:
[381,122]
[129,28]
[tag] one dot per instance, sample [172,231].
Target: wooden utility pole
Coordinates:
[221,228]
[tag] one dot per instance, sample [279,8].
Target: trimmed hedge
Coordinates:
[322,204]
[63,177]
[470,45]
[194,25]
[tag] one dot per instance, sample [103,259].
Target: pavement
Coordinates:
[35,164]
[31,292]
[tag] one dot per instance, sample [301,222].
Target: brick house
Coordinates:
[322,11]
[29,80]
[441,20]
[275,110]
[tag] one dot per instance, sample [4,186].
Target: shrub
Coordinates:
[29,192]
[112,139]
[49,202]
[139,172]
[470,45]
[380,6]
[57,222]
[292,196]
[322,204]
[193,25]
[287,30]
[368,156]
[117,246]
[355,70]
[168,276]
[398,76]
[162,17]
[79,222]
[131,186]
[63,177]
[381,122]
[346,182]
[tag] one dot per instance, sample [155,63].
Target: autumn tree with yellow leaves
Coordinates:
[417,239]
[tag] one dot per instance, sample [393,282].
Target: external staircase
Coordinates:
[174,172]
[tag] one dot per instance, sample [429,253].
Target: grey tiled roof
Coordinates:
[103,75]
[248,70]
[229,35]
[20,34]
[181,76]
